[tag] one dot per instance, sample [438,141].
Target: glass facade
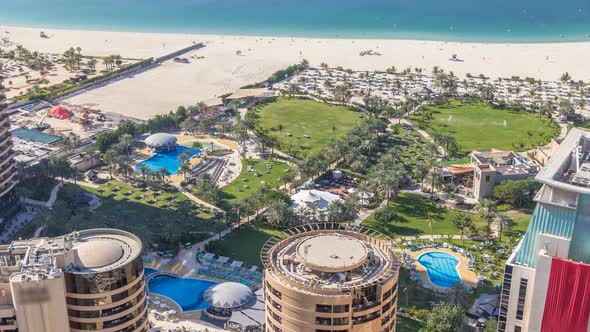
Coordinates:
[99,283]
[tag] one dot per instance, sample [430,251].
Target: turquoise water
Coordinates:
[441,268]
[188,293]
[168,159]
[462,20]
[33,135]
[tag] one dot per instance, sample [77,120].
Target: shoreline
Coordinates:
[227,62]
[360,37]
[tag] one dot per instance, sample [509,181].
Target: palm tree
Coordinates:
[432,218]
[457,295]
[503,220]
[278,212]
[163,173]
[184,169]
[487,210]
[143,169]
[281,128]
[334,211]
[462,221]
[110,159]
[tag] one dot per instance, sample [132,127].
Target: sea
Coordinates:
[493,21]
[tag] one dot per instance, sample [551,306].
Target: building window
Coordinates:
[487,178]
[521,298]
[517,329]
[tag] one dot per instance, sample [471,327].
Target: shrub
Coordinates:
[385,214]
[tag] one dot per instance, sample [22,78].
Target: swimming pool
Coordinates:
[166,159]
[33,135]
[441,268]
[188,293]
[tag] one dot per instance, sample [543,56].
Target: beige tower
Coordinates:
[330,277]
[8,177]
[90,280]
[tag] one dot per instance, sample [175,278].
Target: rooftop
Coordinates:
[88,251]
[160,140]
[569,167]
[329,257]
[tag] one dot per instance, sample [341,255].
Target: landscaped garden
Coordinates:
[412,218]
[162,217]
[255,174]
[480,126]
[244,244]
[303,127]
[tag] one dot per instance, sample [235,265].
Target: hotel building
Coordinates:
[547,278]
[8,177]
[330,277]
[90,280]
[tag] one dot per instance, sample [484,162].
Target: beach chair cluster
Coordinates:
[222,267]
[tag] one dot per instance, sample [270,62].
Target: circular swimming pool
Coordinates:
[441,268]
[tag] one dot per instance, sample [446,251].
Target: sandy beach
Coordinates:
[222,70]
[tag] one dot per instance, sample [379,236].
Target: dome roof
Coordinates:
[160,139]
[308,196]
[228,295]
[96,253]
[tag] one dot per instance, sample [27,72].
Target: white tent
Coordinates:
[228,295]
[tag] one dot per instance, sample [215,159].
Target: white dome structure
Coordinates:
[306,197]
[228,295]
[161,141]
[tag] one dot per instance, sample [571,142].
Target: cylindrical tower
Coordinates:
[330,277]
[104,282]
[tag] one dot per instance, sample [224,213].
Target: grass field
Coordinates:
[412,218]
[142,216]
[478,126]
[301,117]
[244,244]
[248,183]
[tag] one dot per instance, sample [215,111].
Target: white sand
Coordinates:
[221,71]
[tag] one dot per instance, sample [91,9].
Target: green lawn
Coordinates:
[412,218]
[301,117]
[244,244]
[407,325]
[478,126]
[148,220]
[248,183]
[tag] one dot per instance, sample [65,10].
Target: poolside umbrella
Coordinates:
[228,295]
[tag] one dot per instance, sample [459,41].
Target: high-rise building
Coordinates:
[8,177]
[330,277]
[547,278]
[91,280]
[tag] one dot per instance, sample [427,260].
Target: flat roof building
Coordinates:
[330,277]
[90,280]
[547,277]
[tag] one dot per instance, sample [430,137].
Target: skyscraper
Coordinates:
[8,176]
[92,280]
[547,278]
[330,277]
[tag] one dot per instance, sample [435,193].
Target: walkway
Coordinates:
[50,202]
[194,198]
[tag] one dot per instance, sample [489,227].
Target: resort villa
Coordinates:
[487,169]
[547,277]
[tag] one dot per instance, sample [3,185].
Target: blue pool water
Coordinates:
[441,268]
[470,20]
[168,159]
[147,271]
[188,293]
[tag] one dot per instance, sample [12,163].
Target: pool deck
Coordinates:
[468,277]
